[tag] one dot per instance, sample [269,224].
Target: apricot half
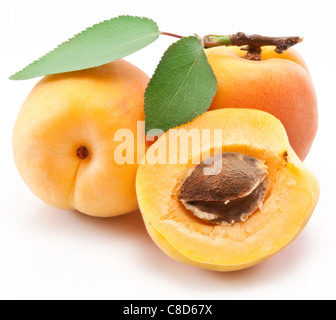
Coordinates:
[65,138]
[279,84]
[236,195]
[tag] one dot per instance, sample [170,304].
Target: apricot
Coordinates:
[233,200]
[279,84]
[64,138]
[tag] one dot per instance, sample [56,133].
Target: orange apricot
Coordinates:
[64,139]
[254,204]
[279,84]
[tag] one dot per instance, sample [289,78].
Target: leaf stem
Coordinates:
[213,40]
[172,35]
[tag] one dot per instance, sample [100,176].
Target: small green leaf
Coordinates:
[181,88]
[102,43]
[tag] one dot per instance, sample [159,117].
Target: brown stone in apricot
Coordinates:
[226,188]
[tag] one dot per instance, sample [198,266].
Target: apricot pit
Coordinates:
[229,196]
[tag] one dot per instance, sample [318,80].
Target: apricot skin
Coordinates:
[280,84]
[293,195]
[81,109]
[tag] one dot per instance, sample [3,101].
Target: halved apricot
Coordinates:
[256,201]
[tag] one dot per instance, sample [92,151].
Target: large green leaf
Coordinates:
[102,43]
[181,88]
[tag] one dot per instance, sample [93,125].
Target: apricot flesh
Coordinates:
[63,139]
[279,84]
[292,196]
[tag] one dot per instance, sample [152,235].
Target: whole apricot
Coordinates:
[279,84]
[64,138]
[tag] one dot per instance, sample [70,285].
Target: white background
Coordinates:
[46,253]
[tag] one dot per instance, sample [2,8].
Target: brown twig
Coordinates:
[251,43]
[254,42]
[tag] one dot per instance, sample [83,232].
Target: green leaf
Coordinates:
[181,88]
[102,43]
